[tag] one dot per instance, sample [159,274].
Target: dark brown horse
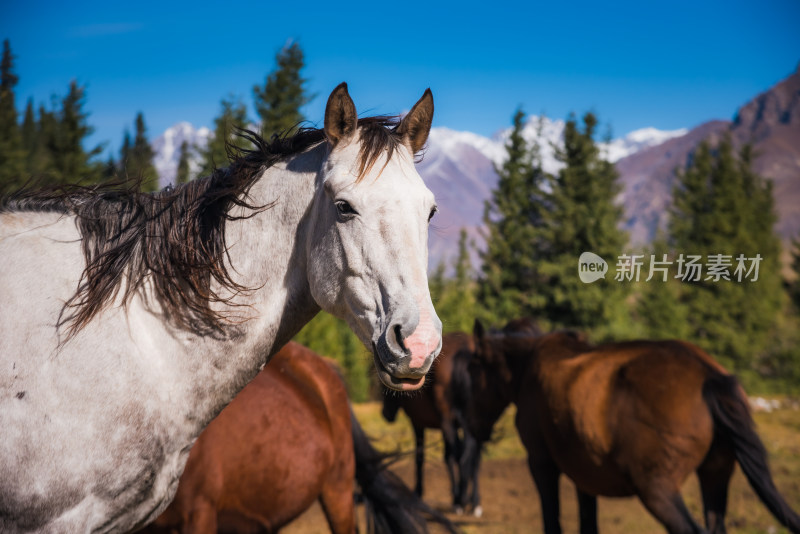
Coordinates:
[623,419]
[287,440]
[477,408]
[433,407]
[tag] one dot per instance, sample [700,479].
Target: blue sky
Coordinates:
[636,64]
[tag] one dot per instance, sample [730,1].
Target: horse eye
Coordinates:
[433,212]
[345,208]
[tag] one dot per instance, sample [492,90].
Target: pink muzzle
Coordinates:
[424,340]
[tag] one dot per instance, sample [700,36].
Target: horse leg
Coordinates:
[337,503]
[452,459]
[419,457]
[667,506]
[715,474]
[587,508]
[202,518]
[545,475]
[468,465]
[477,510]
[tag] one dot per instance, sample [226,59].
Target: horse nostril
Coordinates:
[398,335]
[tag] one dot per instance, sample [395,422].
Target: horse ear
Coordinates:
[341,119]
[481,343]
[416,126]
[478,331]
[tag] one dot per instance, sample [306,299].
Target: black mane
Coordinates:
[175,237]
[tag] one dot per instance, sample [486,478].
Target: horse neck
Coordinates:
[520,357]
[267,252]
[488,411]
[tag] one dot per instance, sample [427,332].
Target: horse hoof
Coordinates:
[458,510]
[478,511]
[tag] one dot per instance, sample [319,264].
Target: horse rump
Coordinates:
[391,507]
[732,420]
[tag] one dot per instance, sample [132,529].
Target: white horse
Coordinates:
[128,321]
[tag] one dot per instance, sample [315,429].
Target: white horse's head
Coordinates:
[368,249]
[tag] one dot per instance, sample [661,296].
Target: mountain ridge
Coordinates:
[459,166]
[770,122]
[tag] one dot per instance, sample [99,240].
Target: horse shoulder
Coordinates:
[579,392]
[127,442]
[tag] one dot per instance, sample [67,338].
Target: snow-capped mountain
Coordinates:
[167,147]
[545,132]
[548,134]
[458,166]
[638,140]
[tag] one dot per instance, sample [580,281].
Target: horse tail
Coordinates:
[732,419]
[391,507]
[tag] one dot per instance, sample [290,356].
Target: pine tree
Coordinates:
[721,207]
[794,284]
[660,309]
[41,163]
[183,172]
[233,116]
[110,170]
[124,156]
[513,218]
[63,134]
[29,136]
[582,216]
[455,299]
[138,157]
[279,101]
[12,154]
[784,354]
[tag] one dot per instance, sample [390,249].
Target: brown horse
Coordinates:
[477,409]
[433,407]
[288,439]
[624,419]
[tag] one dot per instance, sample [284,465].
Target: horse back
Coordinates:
[616,407]
[311,372]
[41,264]
[665,376]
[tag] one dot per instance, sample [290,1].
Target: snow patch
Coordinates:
[167,148]
[638,140]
